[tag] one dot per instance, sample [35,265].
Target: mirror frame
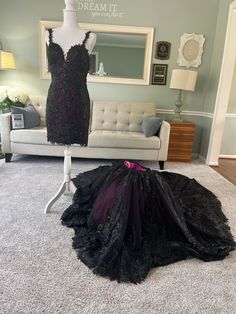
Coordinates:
[185,38]
[104,28]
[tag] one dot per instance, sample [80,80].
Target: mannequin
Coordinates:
[68,36]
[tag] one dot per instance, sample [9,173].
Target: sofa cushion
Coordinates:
[30,115]
[122,139]
[120,116]
[151,126]
[36,135]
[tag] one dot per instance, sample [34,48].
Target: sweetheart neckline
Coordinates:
[73,46]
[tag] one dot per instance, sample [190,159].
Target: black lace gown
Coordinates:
[68,103]
[128,219]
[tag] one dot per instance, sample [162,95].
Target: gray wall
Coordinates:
[232,97]
[212,79]
[19,32]
[121,61]
[228,146]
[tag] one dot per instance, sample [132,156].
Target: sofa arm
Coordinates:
[164,136]
[5,124]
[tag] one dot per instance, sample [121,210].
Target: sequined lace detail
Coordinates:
[68,103]
[127,221]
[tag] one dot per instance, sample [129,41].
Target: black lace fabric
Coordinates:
[128,221]
[68,103]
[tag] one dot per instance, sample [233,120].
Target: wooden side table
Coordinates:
[181,140]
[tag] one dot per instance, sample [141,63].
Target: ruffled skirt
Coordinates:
[128,219]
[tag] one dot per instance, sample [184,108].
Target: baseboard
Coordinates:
[227,156]
[213,163]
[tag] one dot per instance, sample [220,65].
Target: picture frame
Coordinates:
[93,57]
[159,74]
[163,50]
[17,121]
[191,50]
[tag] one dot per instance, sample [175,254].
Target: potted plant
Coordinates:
[12,96]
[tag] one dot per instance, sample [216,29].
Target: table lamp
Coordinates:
[182,80]
[7,61]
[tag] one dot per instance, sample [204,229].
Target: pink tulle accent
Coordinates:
[133,165]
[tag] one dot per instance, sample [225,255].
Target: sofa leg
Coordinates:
[161,164]
[8,157]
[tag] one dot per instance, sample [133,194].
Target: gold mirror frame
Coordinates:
[104,28]
[190,50]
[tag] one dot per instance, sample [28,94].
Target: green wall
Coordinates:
[19,32]
[212,79]
[121,61]
[228,146]
[232,97]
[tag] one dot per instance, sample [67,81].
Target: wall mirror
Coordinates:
[190,50]
[124,51]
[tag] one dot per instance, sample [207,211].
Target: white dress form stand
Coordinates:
[66,36]
[67,185]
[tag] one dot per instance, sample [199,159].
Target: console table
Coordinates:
[181,140]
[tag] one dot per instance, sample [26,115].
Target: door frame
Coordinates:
[224,87]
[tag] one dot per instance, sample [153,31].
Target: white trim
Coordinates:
[186,113]
[228,156]
[213,163]
[224,87]
[230,115]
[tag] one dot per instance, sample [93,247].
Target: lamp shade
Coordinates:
[7,60]
[183,79]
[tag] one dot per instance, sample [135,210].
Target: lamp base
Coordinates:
[177,119]
[178,105]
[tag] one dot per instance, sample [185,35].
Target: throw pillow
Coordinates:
[151,126]
[31,116]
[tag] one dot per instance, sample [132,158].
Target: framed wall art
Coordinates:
[93,57]
[163,50]
[190,50]
[159,74]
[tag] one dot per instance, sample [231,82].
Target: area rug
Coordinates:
[39,270]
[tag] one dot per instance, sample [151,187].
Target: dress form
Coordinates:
[68,35]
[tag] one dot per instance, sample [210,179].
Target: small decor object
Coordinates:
[163,50]
[101,71]
[17,121]
[31,117]
[182,80]
[190,50]
[12,96]
[159,73]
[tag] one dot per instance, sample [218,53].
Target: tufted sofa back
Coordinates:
[39,102]
[106,115]
[120,116]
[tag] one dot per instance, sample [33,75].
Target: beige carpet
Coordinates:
[40,273]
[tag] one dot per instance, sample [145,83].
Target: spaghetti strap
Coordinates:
[50,35]
[86,37]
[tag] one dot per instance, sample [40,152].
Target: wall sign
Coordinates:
[100,9]
[159,74]
[162,50]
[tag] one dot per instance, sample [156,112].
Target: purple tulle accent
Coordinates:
[105,202]
[133,165]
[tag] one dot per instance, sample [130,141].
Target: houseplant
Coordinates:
[12,96]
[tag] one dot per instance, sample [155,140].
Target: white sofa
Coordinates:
[115,133]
